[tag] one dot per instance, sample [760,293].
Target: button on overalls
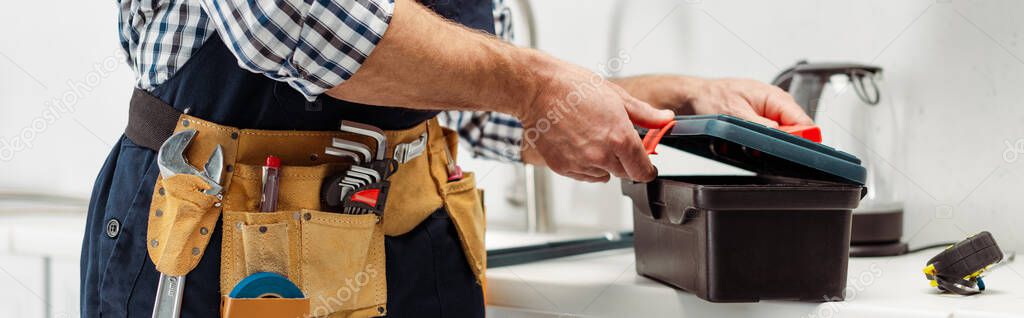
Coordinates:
[427,272]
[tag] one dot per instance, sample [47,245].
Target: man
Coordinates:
[306,65]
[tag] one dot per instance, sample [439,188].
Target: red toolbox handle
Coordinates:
[809,132]
[653,137]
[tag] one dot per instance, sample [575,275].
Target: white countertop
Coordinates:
[606,285]
[41,232]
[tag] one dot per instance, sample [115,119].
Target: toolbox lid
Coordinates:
[758,148]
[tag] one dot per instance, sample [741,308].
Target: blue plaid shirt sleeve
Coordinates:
[316,45]
[311,45]
[489,135]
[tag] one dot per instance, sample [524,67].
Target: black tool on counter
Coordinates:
[959,268]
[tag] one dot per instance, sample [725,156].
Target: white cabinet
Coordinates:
[22,286]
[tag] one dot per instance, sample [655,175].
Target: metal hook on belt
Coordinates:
[408,151]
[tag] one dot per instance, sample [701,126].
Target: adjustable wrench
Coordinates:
[171,161]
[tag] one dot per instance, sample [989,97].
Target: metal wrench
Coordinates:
[171,161]
[370,174]
[364,174]
[362,178]
[352,182]
[348,185]
[370,131]
[331,151]
[354,147]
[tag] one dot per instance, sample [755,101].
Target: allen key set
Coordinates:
[363,188]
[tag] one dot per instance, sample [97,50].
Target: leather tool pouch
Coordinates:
[181,219]
[464,203]
[337,260]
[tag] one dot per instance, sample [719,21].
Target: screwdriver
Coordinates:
[271,178]
[454,170]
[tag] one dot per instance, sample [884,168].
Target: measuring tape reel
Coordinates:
[265,285]
[960,267]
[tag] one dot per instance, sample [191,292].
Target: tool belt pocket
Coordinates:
[336,259]
[181,220]
[464,203]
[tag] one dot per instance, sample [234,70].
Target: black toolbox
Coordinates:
[783,234]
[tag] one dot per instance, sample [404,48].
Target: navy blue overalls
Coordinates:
[427,275]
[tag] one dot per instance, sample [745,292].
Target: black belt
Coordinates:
[150,120]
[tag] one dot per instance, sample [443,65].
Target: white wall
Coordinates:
[953,73]
[954,70]
[64,89]
[63,94]
[951,70]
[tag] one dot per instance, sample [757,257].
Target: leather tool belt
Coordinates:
[336,259]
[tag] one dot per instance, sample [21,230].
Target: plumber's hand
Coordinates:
[748,99]
[581,126]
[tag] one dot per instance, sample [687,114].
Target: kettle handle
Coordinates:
[806,81]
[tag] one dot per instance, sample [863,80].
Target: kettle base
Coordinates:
[877,232]
[876,250]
